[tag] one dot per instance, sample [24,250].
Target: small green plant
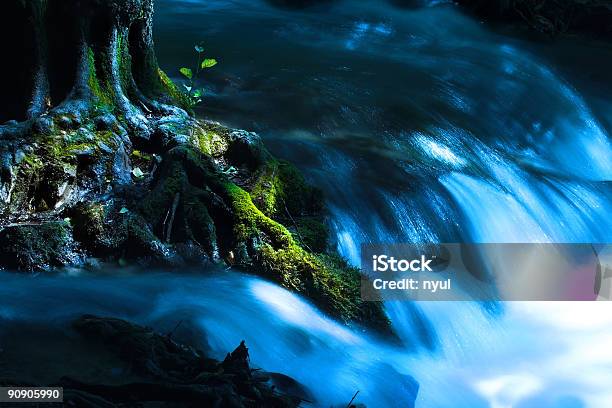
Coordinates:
[195,94]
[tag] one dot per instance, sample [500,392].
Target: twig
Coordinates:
[297,230]
[171,213]
[352,399]
[171,332]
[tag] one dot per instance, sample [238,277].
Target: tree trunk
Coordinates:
[80,58]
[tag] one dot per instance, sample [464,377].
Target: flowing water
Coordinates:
[421,125]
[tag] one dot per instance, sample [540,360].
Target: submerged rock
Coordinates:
[149,369]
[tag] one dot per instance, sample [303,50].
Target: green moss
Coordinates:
[281,192]
[170,88]
[137,154]
[210,142]
[331,283]
[328,280]
[103,96]
[250,220]
[156,203]
[54,162]
[311,233]
[123,60]
[211,139]
[267,191]
[98,228]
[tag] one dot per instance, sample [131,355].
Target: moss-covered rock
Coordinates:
[31,247]
[213,195]
[312,234]
[101,229]
[277,254]
[281,192]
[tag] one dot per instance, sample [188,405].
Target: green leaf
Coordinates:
[199,48]
[137,172]
[209,62]
[186,72]
[197,93]
[123,210]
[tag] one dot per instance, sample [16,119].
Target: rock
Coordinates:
[33,247]
[106,122]
[289,386]
[246,149]
[171,372]
[98,228]
[64,122]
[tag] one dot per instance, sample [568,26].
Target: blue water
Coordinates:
[424,125]
[420,125]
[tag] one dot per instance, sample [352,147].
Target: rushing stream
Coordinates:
[420,125]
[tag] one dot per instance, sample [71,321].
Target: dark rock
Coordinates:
[106,122]
[246,149]
[64,122]
[99,228]
[171,372]
[289,386]
[192,253]
[152,355]
[37,246]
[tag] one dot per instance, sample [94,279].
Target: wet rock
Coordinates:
[208,194]
[246,149]
[98,228]
[32,247]
[173,131]
[64,122]
[192,253]
[288,385]
[171,372]
[106,122]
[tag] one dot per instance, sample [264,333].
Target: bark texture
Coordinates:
[102,162]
